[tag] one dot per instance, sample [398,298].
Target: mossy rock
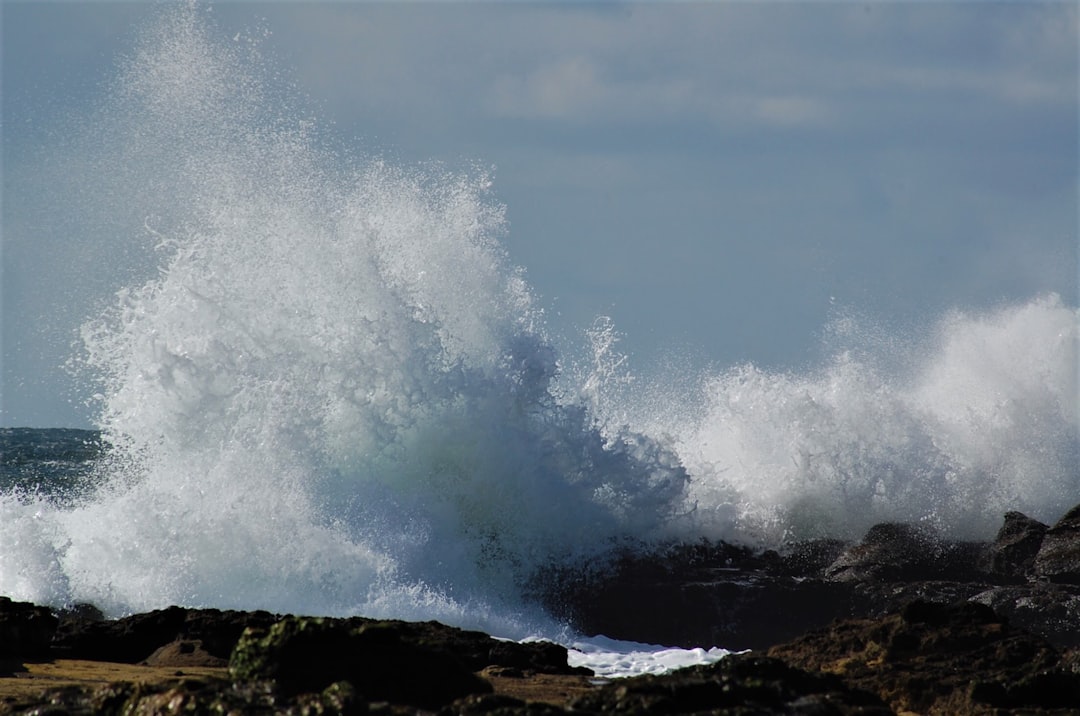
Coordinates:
[306,655]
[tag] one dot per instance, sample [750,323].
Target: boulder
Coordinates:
[1058,558]
[135,638]
[704,594]
[900,552]
[26,630]
[1049,610]
[738,684]
[379,660]
[1012,554]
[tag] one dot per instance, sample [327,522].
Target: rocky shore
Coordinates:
[902,622]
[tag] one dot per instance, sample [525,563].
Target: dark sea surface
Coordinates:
[55,463]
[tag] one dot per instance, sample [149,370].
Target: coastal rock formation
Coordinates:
[716,593]
[897,552]
[136,638]
[702,595]
[1012,555]
[1050,610]
[379,660]
[737,684]
[928,658]
[26,630]
[902,621]
[942,659]
[1058,558]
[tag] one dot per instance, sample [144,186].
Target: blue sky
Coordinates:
[719,178]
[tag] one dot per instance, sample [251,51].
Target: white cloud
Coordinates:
[566,88]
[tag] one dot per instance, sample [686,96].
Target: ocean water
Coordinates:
[336,395]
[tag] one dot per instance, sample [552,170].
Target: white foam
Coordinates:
[954,427]
[613,658]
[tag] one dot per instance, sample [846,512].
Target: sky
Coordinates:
[721,179]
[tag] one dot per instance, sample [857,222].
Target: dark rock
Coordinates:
[1049,610]
[941,659]
[190,696]
[477,650]
[738,684]
[1058,558]
[810,558]
[1012,555]
[709,594]
[79,613]
[897,552]
[538,657]
[133,639]
[498,705]
[26,630]
[736,610]
[379,659]
[877,599]
[704,594]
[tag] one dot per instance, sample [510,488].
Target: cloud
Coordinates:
[735,66]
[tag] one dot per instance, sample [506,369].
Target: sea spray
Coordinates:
[332,392]
[952,426]
[335,395]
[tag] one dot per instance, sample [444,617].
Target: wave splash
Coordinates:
[337,396]
[953,428]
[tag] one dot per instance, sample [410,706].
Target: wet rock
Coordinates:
[706,594]
[712,593]
[306,654]
[740,684]
[876,599]
[133,639]
[1052,611]
[1012,554]
[899,552]
[498,705]
[941,659]
[477,650]
[191,696]
[26,630]
[1058,558]
[538,657]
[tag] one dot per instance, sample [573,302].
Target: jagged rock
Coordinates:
[1012,555]
[307,654]
[710,594]
[1059,555]
[477,650]
[876,599]
[899,552]
[133,639]
[941,659]
[704,594]
[1049,610]
[739,684]
[26,630]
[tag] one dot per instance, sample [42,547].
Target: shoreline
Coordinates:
[901,622]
